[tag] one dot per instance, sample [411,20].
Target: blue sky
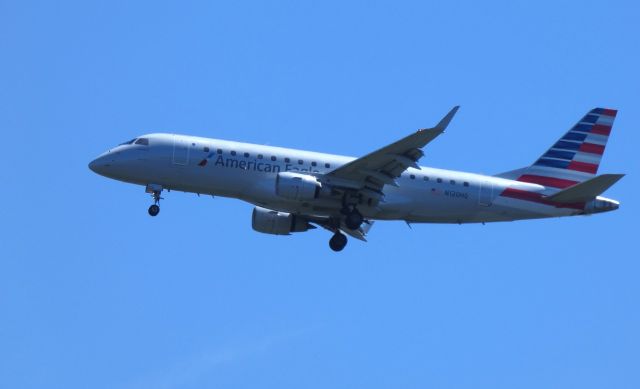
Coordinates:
[95,293]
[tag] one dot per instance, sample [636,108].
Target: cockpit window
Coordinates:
[128,142]
[142,141]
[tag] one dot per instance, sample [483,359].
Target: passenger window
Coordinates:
[287,160]
[452,182]
[219,151]
[327,165]
[466,183]
[413,177]
[313,164]
[246,155]
[439,180]
[273,158]
[206,149]
[425,178]
[300,162]
[259,156]
[233,153]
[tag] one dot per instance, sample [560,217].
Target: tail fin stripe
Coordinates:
[547,181]
[552,163]
[592,148]
[597,139]
[561,154]
[558,173]
[608,112]
[579,136]
[590,118]
[601,129]
[588,158]
[569,154]
[606,120]
[592,129]
[562,144]
[583,167]
[583,127]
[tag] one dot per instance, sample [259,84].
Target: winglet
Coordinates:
[445,120]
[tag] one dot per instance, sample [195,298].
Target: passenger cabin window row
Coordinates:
[438,180]
[258,156]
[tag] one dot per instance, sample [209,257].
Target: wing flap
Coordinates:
[360,233]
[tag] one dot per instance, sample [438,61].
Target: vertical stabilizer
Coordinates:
[576,156]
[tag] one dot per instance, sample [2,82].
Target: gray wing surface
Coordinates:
[369,174]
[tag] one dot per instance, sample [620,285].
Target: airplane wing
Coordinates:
[369,174]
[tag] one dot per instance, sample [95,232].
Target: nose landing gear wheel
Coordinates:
[154,210]
[338,241]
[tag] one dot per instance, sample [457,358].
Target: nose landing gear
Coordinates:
[155,191]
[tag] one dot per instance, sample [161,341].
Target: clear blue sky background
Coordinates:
[95,293]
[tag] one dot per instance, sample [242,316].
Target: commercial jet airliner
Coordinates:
[295,190]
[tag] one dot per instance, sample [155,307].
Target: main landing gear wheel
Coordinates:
[154,210]
[338,241]
[353,219]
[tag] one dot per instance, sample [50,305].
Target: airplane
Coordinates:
[295,190]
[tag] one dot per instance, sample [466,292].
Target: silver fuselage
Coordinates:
[248,172]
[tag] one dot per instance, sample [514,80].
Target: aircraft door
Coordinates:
[180,151]
[485,197]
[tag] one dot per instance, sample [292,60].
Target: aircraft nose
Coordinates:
[100,164]
[93,165]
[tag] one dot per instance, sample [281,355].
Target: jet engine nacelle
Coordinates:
[296,186]
[273,222]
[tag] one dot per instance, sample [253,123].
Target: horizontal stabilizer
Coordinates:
[585,190]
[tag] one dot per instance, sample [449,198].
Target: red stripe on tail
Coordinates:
[592,148]
[537,198]
[583,167]
[601,129]
[547,181]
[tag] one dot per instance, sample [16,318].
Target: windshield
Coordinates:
[128,142]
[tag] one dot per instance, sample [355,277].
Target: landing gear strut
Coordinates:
[338,241]
[155,191]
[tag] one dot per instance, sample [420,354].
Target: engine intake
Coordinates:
[273,222]
[296,186]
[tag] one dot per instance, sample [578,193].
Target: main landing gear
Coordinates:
[352,218]
[155,191]
[338,241]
